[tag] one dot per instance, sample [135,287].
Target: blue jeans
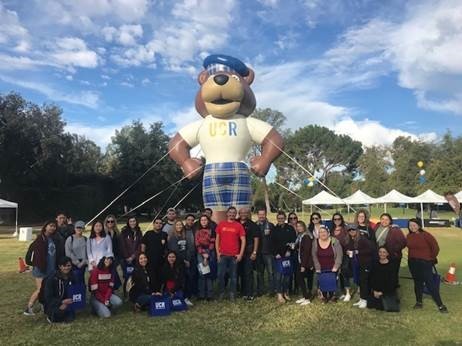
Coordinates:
[102,310]
[227,264]
[143,300]
[265,263]
[205,282]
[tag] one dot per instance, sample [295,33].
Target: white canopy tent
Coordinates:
[428,197]
[459,196]
[359,197]
[11,205]
[394,197]
[323,198]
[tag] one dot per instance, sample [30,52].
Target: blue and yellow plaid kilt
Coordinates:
[226,184]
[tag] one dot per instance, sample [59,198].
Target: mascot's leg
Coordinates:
[226,184]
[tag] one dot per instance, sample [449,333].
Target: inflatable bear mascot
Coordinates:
[225,134]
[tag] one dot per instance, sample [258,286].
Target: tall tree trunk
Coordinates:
[267,201]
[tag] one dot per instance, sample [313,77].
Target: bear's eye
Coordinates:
[236,77]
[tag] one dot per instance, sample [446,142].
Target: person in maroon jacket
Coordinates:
[305,269]
[359,253]
[389,235]
[130,247]
[423,250]
[43,256]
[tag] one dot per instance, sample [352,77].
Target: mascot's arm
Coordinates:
[179,152]
[271,149]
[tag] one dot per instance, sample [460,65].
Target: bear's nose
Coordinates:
[221,79]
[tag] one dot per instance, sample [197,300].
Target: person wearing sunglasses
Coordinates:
[57,303]
[315,224]
[339,231]
[292,219]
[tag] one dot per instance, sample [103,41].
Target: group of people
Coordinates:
[254,258]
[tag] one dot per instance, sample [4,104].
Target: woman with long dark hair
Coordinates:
[305,269]
[315,224]
[338,230]
[101,282]
[365,226]
[206,257]
[145,284]
[98,245]
[130,247]
[172,275]
[423,252]
[43,255]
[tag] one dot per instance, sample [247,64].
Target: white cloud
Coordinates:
[370,132]
[269,3]
[10,63]
[125,35]
[73,51]
[84,98]
[11,30]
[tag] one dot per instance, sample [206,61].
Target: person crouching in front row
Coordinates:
[102,300]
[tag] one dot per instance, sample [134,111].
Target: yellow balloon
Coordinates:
[420,164]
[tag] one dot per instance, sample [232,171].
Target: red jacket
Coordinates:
[101,284]
[395,241]
[204,241]
[40,252]
[422,245]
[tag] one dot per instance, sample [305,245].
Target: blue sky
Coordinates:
[371,69]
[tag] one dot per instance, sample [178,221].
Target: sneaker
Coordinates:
[299,301]
[49,321]
[443,309]
[363,304]
[305,302]
[188,302]
[347,298]
[250,298]
[28,311]
[357,303]
[418,305]
[286,297]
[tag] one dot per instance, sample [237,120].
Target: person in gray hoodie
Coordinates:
[76,250]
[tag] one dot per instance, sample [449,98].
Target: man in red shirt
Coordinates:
[230,245]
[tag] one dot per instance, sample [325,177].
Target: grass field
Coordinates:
[258,322]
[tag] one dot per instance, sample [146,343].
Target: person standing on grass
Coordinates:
[154,245]
[359,254]
[169,227]
[64,228]
[305,271]
[76,250]
[191,288]
[327,257]
[292,220]
[230,246]
[422,256]
[57,303]
[339,231]
[390,236]
[130,247]
[282,243]
[252,241]
[111,229]
[145,284]
[178,243]
[264,255]
[454,203]
[103,300]
[43,255]
[206,257]
[315,224]
[98,245]
[384,283]
[366,227]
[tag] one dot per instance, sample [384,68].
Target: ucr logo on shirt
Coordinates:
[76,298]
[223,128]
[160,305]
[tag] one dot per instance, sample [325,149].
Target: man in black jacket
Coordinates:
[264,255]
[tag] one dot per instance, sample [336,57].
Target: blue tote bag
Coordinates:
[160,306]
[77,292]
[178,303]
[436,277]
[327,281]
[284,266]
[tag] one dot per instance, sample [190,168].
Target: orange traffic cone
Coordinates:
[22,266]
[450,277]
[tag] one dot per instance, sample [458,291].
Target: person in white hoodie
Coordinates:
[98,246]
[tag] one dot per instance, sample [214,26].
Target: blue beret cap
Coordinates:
[221,62]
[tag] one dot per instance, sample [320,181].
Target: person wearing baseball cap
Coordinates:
[76,249]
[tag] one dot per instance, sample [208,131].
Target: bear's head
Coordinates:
[225,88]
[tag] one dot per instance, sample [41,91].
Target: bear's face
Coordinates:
[224,94]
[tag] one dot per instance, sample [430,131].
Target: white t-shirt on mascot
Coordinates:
[217,136]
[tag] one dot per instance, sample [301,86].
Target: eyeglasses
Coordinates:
[110,221]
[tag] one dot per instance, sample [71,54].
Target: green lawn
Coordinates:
[258,322]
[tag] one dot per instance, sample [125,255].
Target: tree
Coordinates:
[320,151]
[374,167]
[277,120]
[406,153]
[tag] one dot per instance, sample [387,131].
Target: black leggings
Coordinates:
[308,275]
[422,273]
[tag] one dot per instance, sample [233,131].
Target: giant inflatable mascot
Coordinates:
[225,135]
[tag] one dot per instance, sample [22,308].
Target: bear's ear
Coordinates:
[203,76]
[250,77]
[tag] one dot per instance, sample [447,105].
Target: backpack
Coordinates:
[130,283]
[29,255]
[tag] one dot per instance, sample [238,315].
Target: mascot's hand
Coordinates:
[192,168]
[259,166]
